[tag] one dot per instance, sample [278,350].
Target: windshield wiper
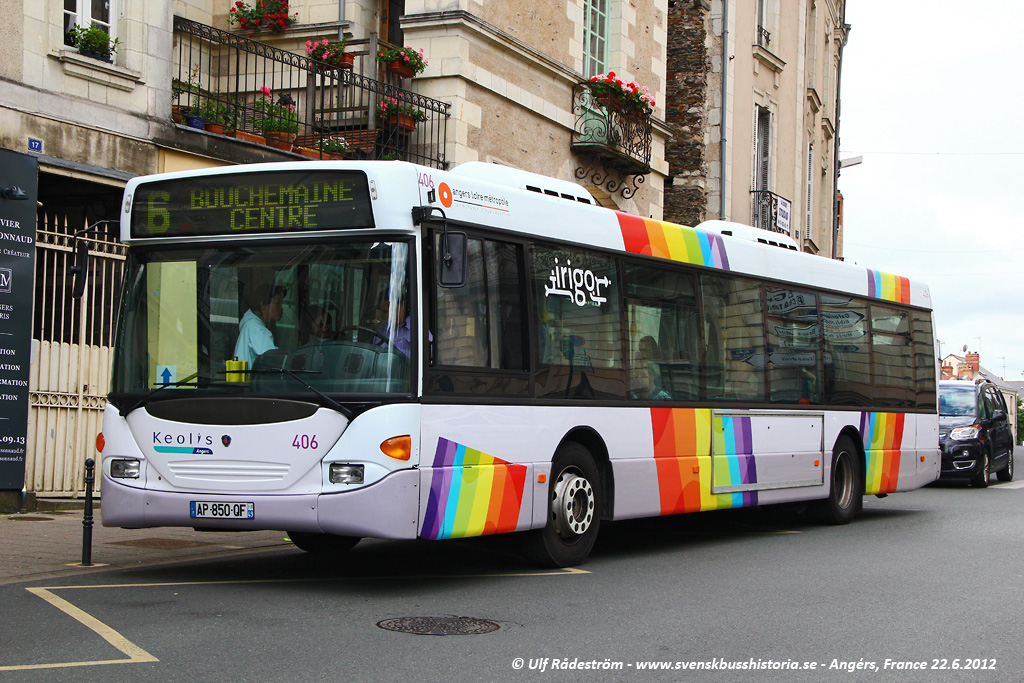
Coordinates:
[331,403]
[187,382]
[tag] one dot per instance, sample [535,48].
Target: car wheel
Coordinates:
[1006,474]
[981,480]
[574,510]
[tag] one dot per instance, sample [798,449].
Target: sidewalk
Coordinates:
[40,545]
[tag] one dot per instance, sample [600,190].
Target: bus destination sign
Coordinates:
[249,203]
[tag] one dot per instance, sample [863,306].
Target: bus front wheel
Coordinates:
[323,544]
[846,485]
[574,509]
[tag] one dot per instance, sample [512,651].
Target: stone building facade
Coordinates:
[753,99]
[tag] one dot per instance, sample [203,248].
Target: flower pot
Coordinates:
[249,137]
[280,140]
[195,122]
[307,152]
[347,61]
[402,122]
[401,68]
[176,113]
[97,55]
[215,128]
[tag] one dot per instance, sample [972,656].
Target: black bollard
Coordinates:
[90,466]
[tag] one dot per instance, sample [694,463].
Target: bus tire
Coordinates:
[575,506]
[846,486]
[323,544]
[1006,474]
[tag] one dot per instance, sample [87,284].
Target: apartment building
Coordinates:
[753,94]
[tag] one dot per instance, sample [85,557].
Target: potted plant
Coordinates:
[334,147]
[269,15]
[217,115]
[278,120]
[396,115]
[332,53]
[615,94]
[92,41]
[405,61]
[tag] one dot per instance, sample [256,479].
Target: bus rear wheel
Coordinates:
[323,544]
[846,486]
[575,507]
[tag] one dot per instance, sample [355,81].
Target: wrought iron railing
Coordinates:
[617,138]
[764,38]
[770,211]
[226,76]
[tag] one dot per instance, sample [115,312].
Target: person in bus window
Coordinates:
[321,324]
[254,335]
[401,339]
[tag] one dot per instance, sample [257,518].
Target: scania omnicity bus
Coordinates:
[343,350]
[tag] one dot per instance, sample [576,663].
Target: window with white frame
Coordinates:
[99,13]
[595,37]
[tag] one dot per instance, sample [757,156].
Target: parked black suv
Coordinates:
[974,432]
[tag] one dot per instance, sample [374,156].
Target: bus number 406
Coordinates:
[305,442]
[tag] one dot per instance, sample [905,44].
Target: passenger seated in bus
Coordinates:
[254,335]
[647,373]
[321,324]
[401,339]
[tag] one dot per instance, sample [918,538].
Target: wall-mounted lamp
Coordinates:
[13,192]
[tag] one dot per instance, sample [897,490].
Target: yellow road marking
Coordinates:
[137,655]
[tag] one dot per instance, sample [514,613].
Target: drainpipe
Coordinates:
[835,152]
[725,95]
[341,18]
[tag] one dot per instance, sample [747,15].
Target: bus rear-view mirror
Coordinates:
[451,266]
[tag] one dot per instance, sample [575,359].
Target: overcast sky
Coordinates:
[933,100]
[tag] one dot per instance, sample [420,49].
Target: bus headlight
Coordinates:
[345,473]
[124,469]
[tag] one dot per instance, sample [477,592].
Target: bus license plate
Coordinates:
[206,510]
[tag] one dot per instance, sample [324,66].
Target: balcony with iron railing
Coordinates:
[255,89]
[614,140]
[770,211]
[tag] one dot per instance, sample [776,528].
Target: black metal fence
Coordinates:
[770,211]
[250,87]
[620,137]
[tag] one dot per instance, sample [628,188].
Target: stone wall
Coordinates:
[686,111]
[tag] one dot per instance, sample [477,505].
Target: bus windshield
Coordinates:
[279,318]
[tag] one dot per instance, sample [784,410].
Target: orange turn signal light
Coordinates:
[541,478]
[100,442]
[397,447]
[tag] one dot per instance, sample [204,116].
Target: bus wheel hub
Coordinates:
[573,505]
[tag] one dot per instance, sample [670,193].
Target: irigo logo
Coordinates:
[576,284]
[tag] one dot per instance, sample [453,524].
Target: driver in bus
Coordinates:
[399,339]
[254,335]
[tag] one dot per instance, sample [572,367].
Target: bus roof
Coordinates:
[504,198]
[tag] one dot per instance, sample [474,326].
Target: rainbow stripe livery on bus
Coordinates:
[343,350]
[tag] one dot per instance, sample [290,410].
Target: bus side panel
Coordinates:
[482,465]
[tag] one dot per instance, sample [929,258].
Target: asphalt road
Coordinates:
[930,579]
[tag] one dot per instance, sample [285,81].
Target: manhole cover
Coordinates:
[31,519]
[439,626]
[160,543]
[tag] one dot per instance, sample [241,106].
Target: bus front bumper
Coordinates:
[386,509]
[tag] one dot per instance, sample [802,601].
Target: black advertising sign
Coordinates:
[18,191]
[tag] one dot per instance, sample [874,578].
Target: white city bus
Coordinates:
[441,354]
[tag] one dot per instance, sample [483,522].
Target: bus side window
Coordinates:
[480,325]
